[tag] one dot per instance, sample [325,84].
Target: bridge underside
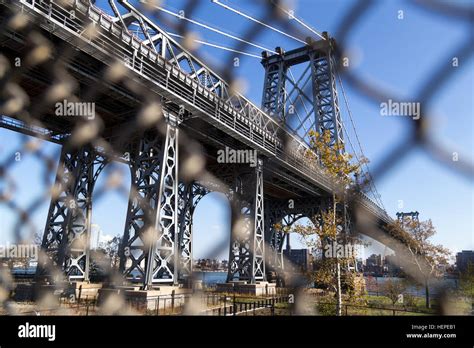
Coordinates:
[157,241]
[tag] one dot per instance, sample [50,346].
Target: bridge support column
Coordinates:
[325,99]
[185,222]
[274,93]
[189,196]
[66,238]
[247,249]
[149,251]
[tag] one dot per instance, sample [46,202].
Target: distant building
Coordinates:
[300,259]
[463,259]
[374,265]
[374,260]
[210,265]
[392,265]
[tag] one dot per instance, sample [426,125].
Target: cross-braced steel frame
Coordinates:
[149,250]
[189,196]
[66,237]
[247,244]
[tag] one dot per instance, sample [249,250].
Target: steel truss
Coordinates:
[247,245]
[66,238]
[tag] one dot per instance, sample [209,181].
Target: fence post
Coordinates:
[225,306]
[234,306]
[172,302]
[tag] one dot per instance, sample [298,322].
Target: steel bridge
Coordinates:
[194,100]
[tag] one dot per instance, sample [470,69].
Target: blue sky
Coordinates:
[398,54]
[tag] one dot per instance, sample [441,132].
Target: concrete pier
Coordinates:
[166,296]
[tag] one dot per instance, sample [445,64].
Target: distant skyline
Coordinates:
[397,54]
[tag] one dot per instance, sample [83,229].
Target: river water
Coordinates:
[211,278]
[374,285]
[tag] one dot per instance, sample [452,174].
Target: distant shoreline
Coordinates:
[206,271]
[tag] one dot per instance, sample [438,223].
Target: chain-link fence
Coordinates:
[52,51]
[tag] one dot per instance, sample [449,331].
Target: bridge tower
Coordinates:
[310,102]
[412,214]
[303,103]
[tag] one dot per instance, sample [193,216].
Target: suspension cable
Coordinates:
[299,21]
[217,2]
[371,180]
[206,43]
[177,15]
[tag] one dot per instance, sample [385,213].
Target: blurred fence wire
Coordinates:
[24,107]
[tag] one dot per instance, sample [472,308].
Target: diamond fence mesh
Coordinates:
[55,62]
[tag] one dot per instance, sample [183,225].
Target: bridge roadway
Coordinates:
[236,121]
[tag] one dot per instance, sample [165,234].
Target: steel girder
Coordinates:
[126,20]
[247,244]
[163,266]
[149,250]
[66,238]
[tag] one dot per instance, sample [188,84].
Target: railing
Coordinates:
[227,305]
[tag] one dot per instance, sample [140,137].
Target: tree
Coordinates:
[329,224]
[111,249]
[466,281]
[393,289]
[426,257]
